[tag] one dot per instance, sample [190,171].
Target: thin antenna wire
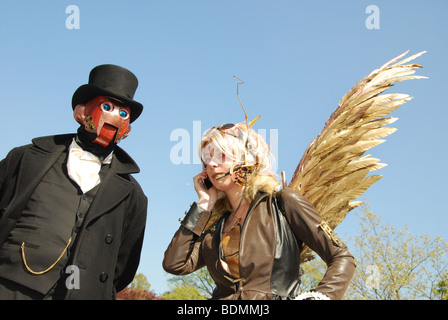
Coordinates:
[247,145]
[237,94]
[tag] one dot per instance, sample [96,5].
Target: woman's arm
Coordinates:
[312,230]
[183,254]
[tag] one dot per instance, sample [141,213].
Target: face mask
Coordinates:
[109,118]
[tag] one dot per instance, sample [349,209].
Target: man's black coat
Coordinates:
[107,250]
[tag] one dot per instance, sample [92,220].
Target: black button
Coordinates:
[84,197]
[109,239]
[103,277]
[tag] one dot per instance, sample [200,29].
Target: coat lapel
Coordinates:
[112,191]
[35,164]
[114,188]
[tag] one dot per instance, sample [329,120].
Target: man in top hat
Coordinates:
[72,217]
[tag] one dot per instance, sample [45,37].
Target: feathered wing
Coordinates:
[333,171]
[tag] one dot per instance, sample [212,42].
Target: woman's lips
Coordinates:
[218,175]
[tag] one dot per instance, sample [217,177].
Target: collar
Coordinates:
[76,146]
[121,162]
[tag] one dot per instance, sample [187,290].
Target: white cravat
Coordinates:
[83,167]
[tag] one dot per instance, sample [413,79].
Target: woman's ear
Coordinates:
[78,114]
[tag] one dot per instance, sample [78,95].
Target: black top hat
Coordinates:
[110,81]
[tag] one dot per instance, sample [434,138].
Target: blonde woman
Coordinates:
[248,231]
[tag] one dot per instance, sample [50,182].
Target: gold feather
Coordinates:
[253,121]
[333,171]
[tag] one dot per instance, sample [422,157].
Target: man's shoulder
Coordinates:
[49,142]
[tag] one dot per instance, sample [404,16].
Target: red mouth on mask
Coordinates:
[109,118]
[106,135]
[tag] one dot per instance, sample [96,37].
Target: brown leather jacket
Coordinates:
[271,239]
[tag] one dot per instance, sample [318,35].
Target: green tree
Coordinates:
[312,272]
[395,264]
[140,282]
[183,293]
[139,289]
[442,288]
[198,285]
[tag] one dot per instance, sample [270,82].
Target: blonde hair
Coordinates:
[245,147]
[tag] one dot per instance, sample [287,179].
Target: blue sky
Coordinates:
[297,58]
